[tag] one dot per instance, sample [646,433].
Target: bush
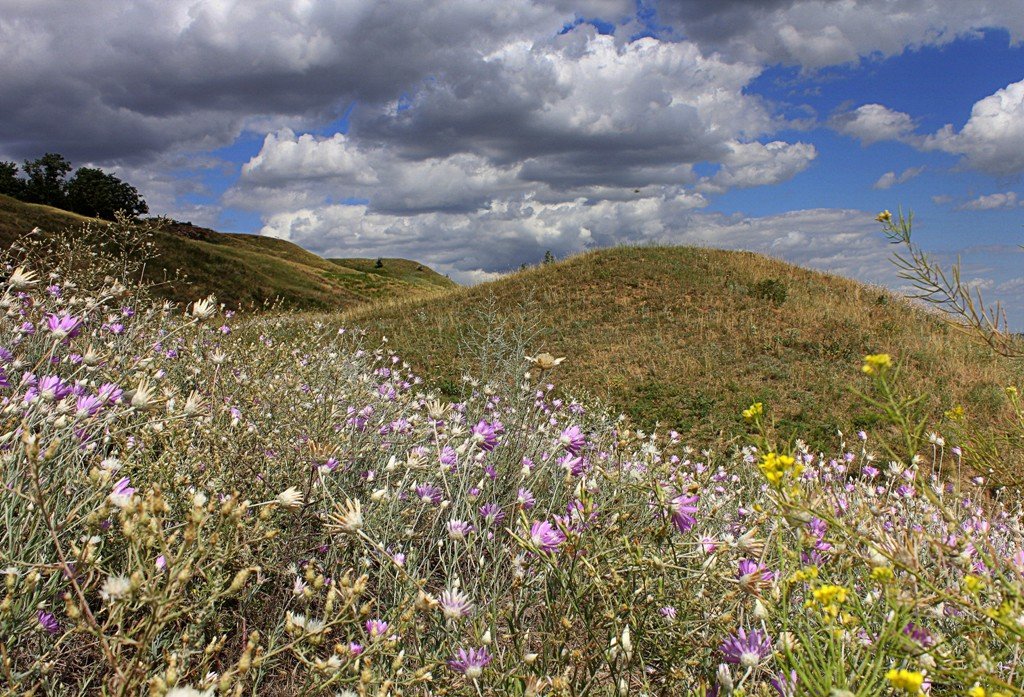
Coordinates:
[772,290]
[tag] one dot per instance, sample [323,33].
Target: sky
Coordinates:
[476,135]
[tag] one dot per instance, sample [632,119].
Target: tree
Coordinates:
[379,264]
[46,180]
[10,184]
[95,193]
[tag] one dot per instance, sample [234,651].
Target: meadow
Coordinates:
[199,502]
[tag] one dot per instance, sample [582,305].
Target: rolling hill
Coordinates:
[689,337]
[245,270]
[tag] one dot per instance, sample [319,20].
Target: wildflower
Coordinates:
[976,691]
[525,499]
[884,217]
[22,278]
[775,467]
[829,598]
[786,685]
[349,519]
[142,397]
[470,663]
[572,439]
[88,405]
[545,536]
[876,363]
[492,513]
[186,691]
[458,529]
[455,604]
[290,498]
[909,681]
[48,622]
[746,649]
[545,361]
[376,629]
[122,493]
[682,508]
[205,308]
[63,325]
[486,434]
[753,411]
[753,575]
[668,612]
[428,493]
[115,587]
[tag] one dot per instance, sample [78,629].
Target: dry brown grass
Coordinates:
[689,337]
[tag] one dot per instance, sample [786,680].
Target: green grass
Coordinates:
[689,337]
[245,270]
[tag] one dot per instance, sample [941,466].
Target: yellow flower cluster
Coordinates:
[882,574]
[753,411]
[884,217]
[973,583]
[909,681]
[876,363]
[775,467]
[805,574]
[828,599]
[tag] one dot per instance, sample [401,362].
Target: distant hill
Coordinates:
[689,337]
[243,270]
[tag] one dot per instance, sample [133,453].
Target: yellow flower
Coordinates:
[828,595]
[775,467]
[753,411]
[876,363]
[976,691]
[882,574]
[956,413]
[909,681]
[884,217]
[973,583]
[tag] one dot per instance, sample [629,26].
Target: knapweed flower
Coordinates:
[907,681]
[485,435]
[63,325]
[572,439]
[455,604]
[290,498]
[121,495]
[470,663]
[545,536]
[753,576]
[48,622]
[525,499]
[376,629]
[876,363]
[747,649]
[682,508]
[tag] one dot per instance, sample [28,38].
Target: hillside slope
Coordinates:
[689,337]
[244,270]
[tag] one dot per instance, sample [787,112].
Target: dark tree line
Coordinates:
[89,191]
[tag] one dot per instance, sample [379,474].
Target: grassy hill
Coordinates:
[689,337]
[245,269]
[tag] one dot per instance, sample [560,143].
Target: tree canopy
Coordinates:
[89,191]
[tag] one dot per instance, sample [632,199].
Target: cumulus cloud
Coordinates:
[991,202]
[872,123]
[992,140]
[760,164]
[891,179]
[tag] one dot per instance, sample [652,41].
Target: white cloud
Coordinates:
[991,202]
[286,157]
[873,123]
[760,164]
[890,179]
[992,140]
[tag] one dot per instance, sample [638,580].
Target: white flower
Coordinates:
[205,308]
[189,692]
[349,518]
[115,587]
[22,278]
[290,498]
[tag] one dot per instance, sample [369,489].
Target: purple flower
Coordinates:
[48,622]
[525,499]
[752,575]
[682,508]
[492,513]
[109,393]
[428,493]
[545,536]
[748,650]
[668,612]
[470,663]
[122,493]
[63,325]
[919,635]
[449,456]
[455,604]
[459,529]
[785,685]
[486,434]
[573,439]
[88,405]
[376,629]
